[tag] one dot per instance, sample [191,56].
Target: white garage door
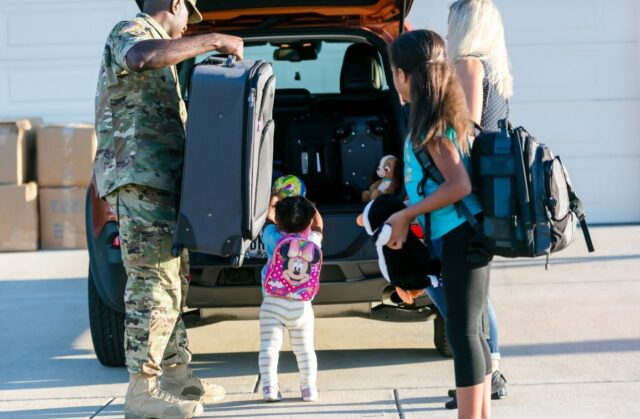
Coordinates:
[50,52]
[576,65]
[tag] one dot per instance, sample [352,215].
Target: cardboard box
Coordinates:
[62,224]
[65,155]
[17,140]
[19,217]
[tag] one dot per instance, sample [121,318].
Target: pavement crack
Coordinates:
[102,408]
[396,397]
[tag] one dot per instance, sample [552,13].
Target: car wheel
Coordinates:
[107,329]
[440,337]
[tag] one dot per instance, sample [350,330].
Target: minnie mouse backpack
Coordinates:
[294,270]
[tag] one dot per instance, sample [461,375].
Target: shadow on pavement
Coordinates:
[218,365]
[563,348]
[48,322]
[61,412]
[539,262]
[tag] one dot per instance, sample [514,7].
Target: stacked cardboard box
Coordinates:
[65,158]
[19,217]
[18,196]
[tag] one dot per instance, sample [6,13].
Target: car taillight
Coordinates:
[116,242]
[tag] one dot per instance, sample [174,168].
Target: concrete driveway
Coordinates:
[570,341]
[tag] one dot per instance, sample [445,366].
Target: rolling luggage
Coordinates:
[228,158]
[361,148]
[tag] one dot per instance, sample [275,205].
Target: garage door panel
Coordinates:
[59,89]
[569,21]
[576,72]
[583,129]
[607,187]
[56,30]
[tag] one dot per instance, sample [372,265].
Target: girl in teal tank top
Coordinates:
[439,122]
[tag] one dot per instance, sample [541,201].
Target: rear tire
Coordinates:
[440,337]
[107,329]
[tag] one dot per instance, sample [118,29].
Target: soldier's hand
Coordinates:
[231,45]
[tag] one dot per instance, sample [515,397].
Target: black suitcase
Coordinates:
[228,157]
[313,154]
[361,148]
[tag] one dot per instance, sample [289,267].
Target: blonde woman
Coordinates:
[476,44]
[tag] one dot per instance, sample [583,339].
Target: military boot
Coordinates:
[145,400]
[179,380]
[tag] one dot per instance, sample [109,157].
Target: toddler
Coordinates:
[290,280]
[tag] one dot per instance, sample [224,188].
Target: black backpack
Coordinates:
[529,206]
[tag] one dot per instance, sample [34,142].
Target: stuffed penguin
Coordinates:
[409,268]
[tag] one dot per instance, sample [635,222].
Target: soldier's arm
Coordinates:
[159,53]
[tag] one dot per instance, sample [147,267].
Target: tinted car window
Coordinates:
[321,75]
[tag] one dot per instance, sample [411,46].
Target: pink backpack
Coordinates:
[294,270]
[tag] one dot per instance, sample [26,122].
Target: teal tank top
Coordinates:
[445,219]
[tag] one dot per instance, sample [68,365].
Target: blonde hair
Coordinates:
[476,30]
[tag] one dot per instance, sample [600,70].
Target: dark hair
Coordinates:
[437,99]
[294,214]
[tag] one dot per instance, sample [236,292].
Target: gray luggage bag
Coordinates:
[228,158]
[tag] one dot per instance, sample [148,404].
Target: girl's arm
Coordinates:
[271,215]
[317,224]
[470,74]
[456,186]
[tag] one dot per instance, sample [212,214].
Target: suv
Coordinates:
[333,83]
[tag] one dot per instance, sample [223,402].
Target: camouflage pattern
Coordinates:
[140,117]
[155,334]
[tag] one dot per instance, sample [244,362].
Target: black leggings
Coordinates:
[465,272]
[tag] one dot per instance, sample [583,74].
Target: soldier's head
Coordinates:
[173,15]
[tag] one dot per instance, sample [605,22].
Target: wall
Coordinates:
[50,52]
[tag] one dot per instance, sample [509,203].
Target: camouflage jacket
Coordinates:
[140,116]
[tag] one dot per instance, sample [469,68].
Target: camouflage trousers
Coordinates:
[157,282]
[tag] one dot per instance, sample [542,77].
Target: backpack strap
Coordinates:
[576,207]
[431,171]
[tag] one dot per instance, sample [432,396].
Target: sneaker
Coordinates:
[498,390]
[498,386]
[180,381]
[271,394]
[451,404]
[309,394]
[145,400]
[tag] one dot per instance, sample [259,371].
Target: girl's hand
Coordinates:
[399,223]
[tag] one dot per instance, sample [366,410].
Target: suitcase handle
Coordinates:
[231,61]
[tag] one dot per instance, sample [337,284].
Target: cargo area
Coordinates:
[335,118]
[333,133]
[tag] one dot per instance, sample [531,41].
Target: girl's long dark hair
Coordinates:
[437,99]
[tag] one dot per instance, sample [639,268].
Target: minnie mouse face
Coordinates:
[297,264]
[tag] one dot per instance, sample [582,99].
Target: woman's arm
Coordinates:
[470,74]
[456,186]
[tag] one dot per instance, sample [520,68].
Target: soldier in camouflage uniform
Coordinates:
[140,123]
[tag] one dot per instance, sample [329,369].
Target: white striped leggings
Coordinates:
[276,314]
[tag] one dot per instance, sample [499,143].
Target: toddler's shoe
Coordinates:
[309,394]
[271,394]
